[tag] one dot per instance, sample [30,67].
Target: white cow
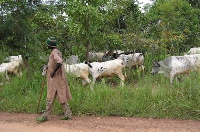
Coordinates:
[136,59]
[12,68]
[106,69]
[15,68]
[195,50]
[73,59]
[174,65]
[78,70]
[14,58]
[95,56]
[3,70]
[44,70]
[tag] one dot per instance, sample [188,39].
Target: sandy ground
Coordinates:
[16,122]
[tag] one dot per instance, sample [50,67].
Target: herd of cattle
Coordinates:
[102,65]
[112,63]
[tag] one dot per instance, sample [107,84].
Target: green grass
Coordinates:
[144,96]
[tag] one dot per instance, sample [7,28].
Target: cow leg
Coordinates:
[20,71]
[103,81]
[84,82]
[141,67]
[121,76]
[88,80]
[17,72]
[172,76]
[6,74]
[93,82]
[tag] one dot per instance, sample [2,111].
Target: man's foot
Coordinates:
[65,118]
[41,119]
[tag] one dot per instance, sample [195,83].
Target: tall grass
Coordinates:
[143,96]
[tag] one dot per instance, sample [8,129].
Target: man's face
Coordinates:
[48,47]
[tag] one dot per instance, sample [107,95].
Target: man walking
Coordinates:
[57,85]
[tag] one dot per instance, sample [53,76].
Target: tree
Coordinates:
[85,21]
[175,24]
[19,28]
[16,30]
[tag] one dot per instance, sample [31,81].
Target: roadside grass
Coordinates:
[145,96]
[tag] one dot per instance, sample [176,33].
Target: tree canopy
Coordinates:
[98,25]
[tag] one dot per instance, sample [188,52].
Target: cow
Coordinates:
[136,59]
[106,69]
[111,55]
[107,57]
[13,58]
[79,70]
[195,50]
[95,56]
[15,68]
[44,70]
[3,70]
[15,64]
[73,59]
[175,65]
[11,68]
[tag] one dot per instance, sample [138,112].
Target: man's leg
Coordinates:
[49,106]
[67,111]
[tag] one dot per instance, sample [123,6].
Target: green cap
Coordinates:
[51,42]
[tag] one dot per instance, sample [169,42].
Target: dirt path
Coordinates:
[16,122]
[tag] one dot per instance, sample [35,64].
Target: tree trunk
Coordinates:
[87,23]
[88,50]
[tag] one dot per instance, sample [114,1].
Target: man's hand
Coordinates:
[52,75]
[57,67]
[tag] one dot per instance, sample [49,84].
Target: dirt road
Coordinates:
[16,122]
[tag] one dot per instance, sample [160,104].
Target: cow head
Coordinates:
[155,67]
[106,57]
[44,70]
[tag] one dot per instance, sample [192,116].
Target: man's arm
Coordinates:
[57,67]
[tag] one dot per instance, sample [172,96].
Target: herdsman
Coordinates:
[57,85]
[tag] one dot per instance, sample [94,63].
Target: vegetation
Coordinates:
[168,27]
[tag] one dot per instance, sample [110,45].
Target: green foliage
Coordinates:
[86,20]
[94,23]
[148,96]
[21,95]
[176,24]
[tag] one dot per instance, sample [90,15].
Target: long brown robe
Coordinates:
[59,82]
